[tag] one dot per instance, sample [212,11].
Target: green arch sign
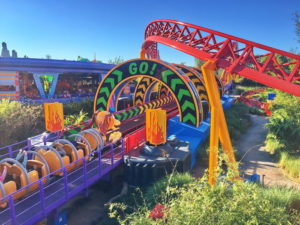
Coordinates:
[157,70]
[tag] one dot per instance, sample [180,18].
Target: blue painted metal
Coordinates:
[254,178]
[227,101]
[194,135]
[39,85]
[53,85]
[51,65]
[61,218]
[62,100]
[271,96]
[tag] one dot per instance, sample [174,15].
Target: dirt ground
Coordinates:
[254,158]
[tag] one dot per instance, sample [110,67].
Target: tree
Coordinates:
[48,56]
[199,62]
[116,60]
[297,25]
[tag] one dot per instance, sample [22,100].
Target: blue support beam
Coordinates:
[39,85]
[53,85]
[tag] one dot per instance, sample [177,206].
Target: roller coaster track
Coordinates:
[269,66]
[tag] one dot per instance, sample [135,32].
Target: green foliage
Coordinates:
[75,118]
[76,107]
[198,62]
[225,203]
[19,121]
[297,25]
[238,119]
[273,145]
[291,164]
[284,124]
[250,83]
[284,132]
[160,191]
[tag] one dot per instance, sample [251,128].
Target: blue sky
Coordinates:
[65,29]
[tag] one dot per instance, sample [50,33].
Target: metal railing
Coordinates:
[36,205]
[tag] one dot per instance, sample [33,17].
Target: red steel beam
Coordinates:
[236,55]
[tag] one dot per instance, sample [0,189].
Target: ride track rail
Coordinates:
[236,55]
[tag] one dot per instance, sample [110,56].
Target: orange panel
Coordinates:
[54,116]
[156,126]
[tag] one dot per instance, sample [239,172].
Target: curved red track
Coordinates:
[236,55]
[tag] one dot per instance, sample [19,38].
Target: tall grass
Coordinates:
[226,203]
[291,164]
[19,121]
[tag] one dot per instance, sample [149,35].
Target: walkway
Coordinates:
[256,160]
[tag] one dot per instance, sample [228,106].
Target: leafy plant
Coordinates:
[75,118]
[226,203]
[76,107]
[238,119]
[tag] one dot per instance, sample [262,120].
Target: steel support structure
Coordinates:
[218,126]
[269,66]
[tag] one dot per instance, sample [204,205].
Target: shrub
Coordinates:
[75,118]
[19,121]
[238,119]
[284,123]
[226,204]
[284,132]
[273,145]
[291,164]
[159,191]
[76,107]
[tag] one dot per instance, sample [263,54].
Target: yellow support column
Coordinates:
[218,126]
[143,53]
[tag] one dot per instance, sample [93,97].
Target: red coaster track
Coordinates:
[254,61]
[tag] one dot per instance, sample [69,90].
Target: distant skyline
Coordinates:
[71,28]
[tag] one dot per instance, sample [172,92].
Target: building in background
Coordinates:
[47,80]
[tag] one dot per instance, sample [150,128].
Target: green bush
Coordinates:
[284,132]
[19,121]
[291,164]
[284,123]
[75,107]
[226,204]
[75,118]
[273,145]
[238,119]
[160,191]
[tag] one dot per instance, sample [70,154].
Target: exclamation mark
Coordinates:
[153,68]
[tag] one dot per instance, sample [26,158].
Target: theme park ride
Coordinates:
[38,178]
